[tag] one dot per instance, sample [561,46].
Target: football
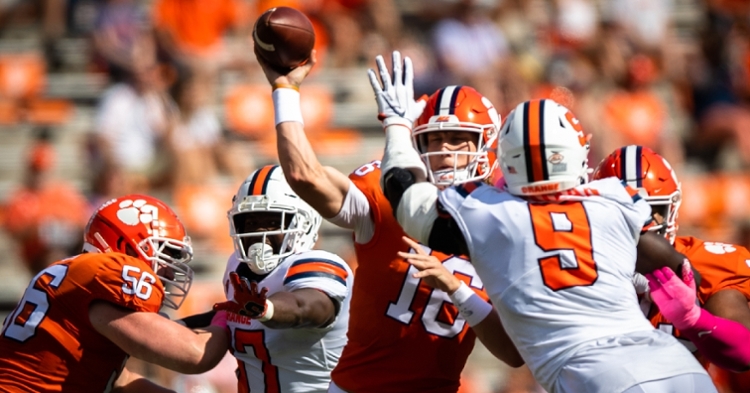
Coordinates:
[284,37]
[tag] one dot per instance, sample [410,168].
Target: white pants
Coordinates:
[685,383]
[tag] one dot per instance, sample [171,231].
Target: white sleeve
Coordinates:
[355,214]
[417,211]
[331,275]
[401,153]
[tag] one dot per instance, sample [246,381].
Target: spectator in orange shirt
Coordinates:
[190,31]
[638,112]
[45,215]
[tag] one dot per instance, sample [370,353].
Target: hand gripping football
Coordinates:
[284,37]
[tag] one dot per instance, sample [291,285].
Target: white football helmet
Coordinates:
[542,149]
[266,190]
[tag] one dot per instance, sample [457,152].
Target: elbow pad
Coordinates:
[395,183]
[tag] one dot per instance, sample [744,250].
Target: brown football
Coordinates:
[284,37]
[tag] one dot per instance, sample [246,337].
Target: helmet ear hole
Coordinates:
[130,251]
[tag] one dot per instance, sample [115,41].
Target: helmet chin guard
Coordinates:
[262,258]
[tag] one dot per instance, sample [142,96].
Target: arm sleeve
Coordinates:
[355,215]
[400,153]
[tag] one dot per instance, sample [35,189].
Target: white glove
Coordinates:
[395,97]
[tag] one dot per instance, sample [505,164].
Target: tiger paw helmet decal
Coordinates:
[139,211]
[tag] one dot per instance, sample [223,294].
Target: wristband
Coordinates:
[268,314]
[400,121]
[284,86]
[286,106]
[472,307]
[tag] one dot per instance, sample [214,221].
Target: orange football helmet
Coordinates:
[648,172]
[146,228]
[459,108]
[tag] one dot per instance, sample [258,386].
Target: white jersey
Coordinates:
[292,360]
[560,275]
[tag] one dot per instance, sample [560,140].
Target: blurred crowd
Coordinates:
[673,75]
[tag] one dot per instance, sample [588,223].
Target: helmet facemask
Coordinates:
[478,165]
[667,207]
[260,249]
[169,259]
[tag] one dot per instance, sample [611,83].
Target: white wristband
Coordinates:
[472,307]
[286,106]
[269,312]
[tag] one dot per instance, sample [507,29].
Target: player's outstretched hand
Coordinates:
[395,94]
[293,78]
[248,300]
[674,296]
[430,268]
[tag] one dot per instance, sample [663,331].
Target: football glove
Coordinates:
[395,96]
[248,300]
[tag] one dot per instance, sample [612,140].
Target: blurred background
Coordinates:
[100,98]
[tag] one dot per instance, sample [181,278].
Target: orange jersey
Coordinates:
[48,344]
[403,335]
[721,266]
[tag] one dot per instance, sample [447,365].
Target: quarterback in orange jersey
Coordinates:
[724,290]
[404,336]
[81,318]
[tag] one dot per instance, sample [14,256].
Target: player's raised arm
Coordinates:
[155,339]
[324,188]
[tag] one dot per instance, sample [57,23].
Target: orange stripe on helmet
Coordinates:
[534,120]
[256,186]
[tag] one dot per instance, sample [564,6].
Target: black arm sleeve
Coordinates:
[199,320]
[445,236]
[396,181]
[654,252]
